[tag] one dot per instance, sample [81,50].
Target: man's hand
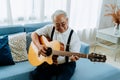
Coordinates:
[42,50]
[74,58]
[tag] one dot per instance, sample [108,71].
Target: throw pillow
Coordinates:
[5,53]
[17,44]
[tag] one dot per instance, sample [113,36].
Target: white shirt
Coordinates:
[63,38]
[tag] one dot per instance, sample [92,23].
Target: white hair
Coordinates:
[58,12]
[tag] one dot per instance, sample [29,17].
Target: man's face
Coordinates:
[61,23]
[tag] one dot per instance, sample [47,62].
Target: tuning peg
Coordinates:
[102,56]
[102,60]
[93,60]
[97,55]
[97,60]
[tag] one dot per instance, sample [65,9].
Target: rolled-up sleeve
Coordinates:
[46,30]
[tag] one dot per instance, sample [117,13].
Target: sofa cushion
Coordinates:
[19,71]
[87,70]
[5,53]
[84,48]
[32,27]
[17,44]
[11,29]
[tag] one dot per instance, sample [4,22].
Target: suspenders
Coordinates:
[68,45]
[68,42]
[52,33]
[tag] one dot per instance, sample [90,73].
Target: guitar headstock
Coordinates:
[96,57]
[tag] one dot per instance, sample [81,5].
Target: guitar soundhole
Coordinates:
[49,51]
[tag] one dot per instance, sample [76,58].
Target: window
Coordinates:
[27,11]
[3,11]
[52,5]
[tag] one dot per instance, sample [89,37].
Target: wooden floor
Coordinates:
[109,54]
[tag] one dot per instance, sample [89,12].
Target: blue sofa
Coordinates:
[85,69]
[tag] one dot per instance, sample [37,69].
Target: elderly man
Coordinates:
[63,67]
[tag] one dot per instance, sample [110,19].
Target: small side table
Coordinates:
[108,35]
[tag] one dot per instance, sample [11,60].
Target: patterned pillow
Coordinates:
[17,43]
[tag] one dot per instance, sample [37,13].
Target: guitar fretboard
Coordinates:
[65,53]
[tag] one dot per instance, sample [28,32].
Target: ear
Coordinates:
[67,20]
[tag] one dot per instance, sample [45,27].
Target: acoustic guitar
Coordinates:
[54,49]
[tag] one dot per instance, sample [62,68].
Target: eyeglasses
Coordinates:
[60,24]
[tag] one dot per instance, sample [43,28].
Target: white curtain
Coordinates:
[53,5]
[3,11]
[84,18]
[25,11]
[83,14]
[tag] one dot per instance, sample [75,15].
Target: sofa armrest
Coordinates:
[84,48]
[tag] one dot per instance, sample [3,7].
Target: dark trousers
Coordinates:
[61,71]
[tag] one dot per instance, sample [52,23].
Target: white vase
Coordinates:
[116,29]
[119,29]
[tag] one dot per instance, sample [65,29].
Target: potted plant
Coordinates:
[114,12]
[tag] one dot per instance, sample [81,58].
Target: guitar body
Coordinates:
[33,56]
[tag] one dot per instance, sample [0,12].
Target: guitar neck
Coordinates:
[65,53]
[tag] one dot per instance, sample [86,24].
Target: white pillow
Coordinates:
[17,43]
